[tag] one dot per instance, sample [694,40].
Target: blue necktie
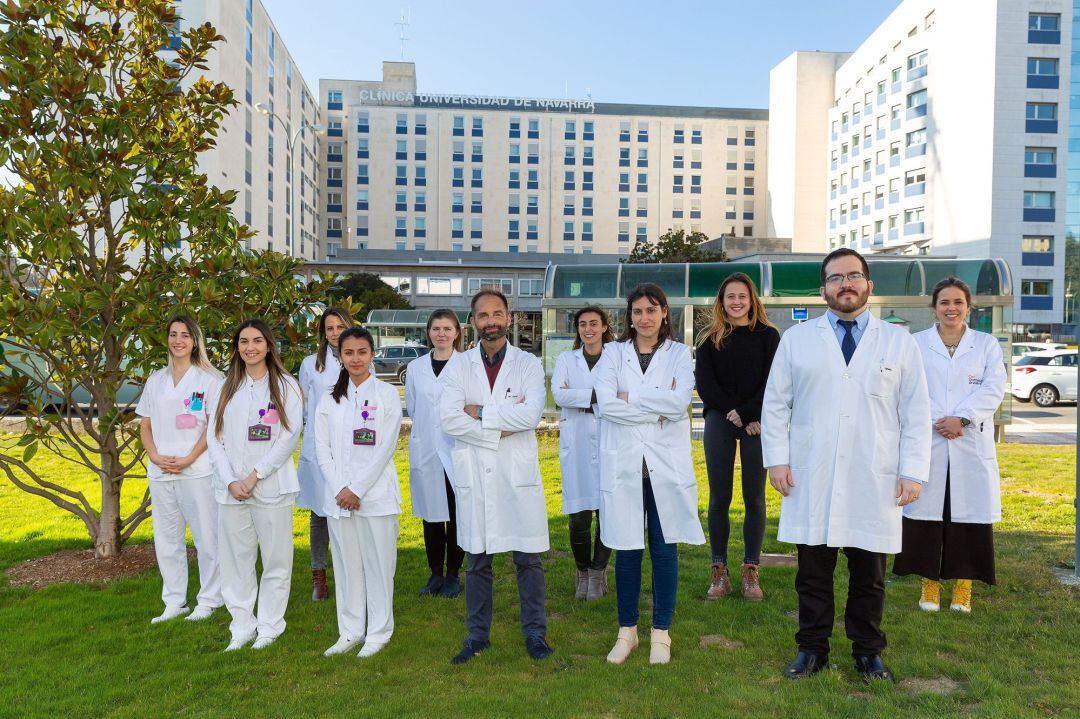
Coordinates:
[847,345]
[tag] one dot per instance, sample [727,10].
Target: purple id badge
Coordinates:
[258,433]
[363,437]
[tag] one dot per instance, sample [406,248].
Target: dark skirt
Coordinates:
[946,549]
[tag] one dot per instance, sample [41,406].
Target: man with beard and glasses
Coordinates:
[845,433]
[492,401]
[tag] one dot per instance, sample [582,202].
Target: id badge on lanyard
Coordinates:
[194,403]
[365,436]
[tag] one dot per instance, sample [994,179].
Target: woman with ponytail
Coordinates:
[318,373]
[356,433]
[257,419]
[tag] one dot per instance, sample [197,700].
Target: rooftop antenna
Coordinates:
[406,15]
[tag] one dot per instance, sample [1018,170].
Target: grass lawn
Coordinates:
[89,650]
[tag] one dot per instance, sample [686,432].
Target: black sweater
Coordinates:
[733,377]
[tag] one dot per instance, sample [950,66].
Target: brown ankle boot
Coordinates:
[751,583]
[720,583]
[319,592]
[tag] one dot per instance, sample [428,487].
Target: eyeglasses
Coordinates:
[852,277]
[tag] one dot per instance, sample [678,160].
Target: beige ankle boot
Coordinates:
[626,643]
[659,647]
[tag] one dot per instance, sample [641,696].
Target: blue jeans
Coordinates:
[665,572]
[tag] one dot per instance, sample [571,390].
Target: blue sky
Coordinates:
[681,53]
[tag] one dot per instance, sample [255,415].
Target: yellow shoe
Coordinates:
[930,601]
[961,596]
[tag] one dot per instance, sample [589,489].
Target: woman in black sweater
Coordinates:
[734,354]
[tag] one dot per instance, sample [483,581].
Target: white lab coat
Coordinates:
[429,445]
[848,432]
[579,431]
[969,384]
[631,430]
[368,471]
[315,385]
[233,456]
[500,499]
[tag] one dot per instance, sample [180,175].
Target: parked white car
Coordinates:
[1046,377]
[1019,349]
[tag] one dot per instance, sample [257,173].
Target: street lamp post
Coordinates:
[290,143]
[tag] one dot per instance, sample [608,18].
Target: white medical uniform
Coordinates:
[260,526]
[364,541]
[178,417]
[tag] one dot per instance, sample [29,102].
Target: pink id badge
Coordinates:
[363,437]
[186,420]
[271,415]
[258,433]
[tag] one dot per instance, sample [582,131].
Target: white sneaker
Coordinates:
[241,641]
[370,648]
[342,645]
[169,613]
[200,614]
[263,642]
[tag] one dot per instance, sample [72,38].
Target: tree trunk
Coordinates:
[107,542]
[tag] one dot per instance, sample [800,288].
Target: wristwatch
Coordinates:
[964,421]
[258,475]
[480,413]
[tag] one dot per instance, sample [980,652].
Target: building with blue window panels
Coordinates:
[1072,194]
[943,133]
[415,171]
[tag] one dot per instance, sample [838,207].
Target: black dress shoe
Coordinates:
[434,584]
[451,587]
[871,667]
[471,649]
[538,648]
[806,664]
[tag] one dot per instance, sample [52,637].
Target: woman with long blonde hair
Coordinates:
[257,420]
[735,352]
[173,418]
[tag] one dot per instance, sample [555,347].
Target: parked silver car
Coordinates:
[391,362]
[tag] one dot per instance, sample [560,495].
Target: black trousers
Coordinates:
[720,439]
[589,552]
[440,540]
[865,601]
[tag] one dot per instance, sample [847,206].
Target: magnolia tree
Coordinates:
[108,229]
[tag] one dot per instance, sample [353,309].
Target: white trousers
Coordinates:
[246,532]
[179,504]
[364,550]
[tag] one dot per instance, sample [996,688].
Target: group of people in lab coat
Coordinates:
[837,411]
[220,462]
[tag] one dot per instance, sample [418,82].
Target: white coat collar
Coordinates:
[365,387]
[477,358]
[873,324]
[936,344]
[631,358]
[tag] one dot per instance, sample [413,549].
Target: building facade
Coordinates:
[252,155]
[946,134]
[416,171]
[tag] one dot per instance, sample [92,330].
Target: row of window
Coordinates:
[570,131]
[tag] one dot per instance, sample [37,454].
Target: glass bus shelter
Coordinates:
[789,289]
